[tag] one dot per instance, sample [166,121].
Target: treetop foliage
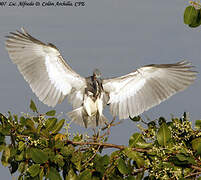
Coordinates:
[42,147]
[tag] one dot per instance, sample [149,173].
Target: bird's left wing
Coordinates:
[136,92]
[43,67]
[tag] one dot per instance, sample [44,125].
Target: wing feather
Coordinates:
[43,67]
[138,91]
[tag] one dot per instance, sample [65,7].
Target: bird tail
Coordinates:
[77,116]
[80,117]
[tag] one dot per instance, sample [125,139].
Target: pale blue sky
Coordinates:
[112,35]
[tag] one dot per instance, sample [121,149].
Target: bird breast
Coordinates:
[93,107]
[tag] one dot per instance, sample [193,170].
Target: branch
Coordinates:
[106,145]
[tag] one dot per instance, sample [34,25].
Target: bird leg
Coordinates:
[97,118]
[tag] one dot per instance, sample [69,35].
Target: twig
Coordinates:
[136,171]
[91,157]
[196,173]
[195,167]
[192,174]
[108,125]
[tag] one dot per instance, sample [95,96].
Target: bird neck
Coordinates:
[95,86]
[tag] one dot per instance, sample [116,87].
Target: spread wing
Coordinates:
[134,93]
[43,67]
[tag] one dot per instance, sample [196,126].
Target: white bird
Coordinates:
[52,79]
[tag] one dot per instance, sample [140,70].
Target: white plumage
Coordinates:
[134,93]
[52,79]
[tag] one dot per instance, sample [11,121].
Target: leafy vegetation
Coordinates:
[41,147]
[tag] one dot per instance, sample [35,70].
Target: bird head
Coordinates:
[96,74]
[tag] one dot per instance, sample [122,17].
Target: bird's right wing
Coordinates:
[43,67]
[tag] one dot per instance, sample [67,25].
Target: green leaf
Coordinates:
[134,139]
[21,167]
[140,176]
[58,126]
[71,175]
[198,124]
[192,17]
[20,156]
[199,149]
[137,141]
[58,159]
[143,144]
[67,150]
[45,133]
[34,170]
[38,156]
[5,156]
[36,119]
[59,144]
[51,113]
[20,177]
[21,146]
[163,135]
[134,156]
[2,147]
[181,157]
[190,14]
[76,159]
[10,116]
[13,151]
[122,167]
[50,153]
[196,145]
[135,119]
[187,158]
[104,160]
[2,138]
[22,120]
[41,174]
[33,107]
[151,124]
[101,163]
[39,127]
[50,123]
[54,174]
[28,153]
[29,124]
[85,175]
[115,154]
[161,120]
[77,138]
[15,116]
[197,21]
